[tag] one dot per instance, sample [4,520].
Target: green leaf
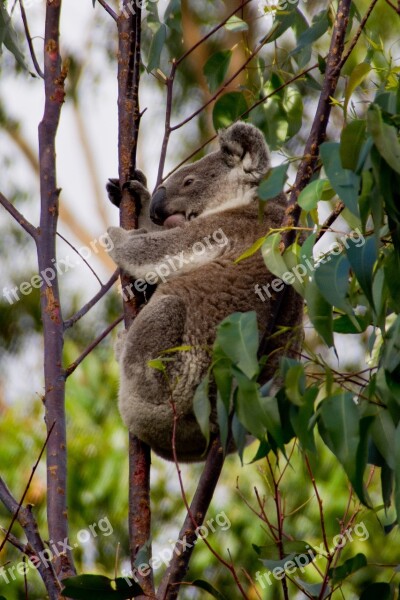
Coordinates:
[295,384]
[202,407]
[239,435]
[207,587]
[356,78]
[332,278]
[385,137]
[344,324]
[383,433]
[312,194]
[362,260]
[237,337]
[320,313]
[379,590]
[314,589]
[276,263]
[228,109]
[272,420]
[173,16]
[235,24]
[98,587]
[345,182]
[9,38]
[347,568]
[390,358]
[156,47]
[273,184]
[252,250]
[157,364]
[347,438]
[397,472]
[216,68]
[319,26]
[351,141]
[248,407]
[300,418]
[292,104]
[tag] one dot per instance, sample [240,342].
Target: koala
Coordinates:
[202,218]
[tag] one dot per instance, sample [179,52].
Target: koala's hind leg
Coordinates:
[144,399]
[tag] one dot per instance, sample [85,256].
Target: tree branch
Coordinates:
[29,40]
[357,35]
[108,9]
[28,523]
[54,77]
[311,152]
[35,466]
[330,220]
[69,370]
[264,99]
[129,52]
[170,86]
[85,309]
[14,212]
[169,586]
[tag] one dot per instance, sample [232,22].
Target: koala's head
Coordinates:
[221,180]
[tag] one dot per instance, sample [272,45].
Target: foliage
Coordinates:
[328,453]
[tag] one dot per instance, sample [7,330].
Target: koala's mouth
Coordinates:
[174,220]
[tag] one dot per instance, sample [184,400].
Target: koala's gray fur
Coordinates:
[215,194]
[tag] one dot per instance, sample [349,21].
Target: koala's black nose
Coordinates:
[158,212]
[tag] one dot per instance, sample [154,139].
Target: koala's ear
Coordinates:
[244,144]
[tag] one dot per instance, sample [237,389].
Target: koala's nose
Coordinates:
[158,213]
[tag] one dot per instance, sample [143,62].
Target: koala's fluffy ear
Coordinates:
[243,143]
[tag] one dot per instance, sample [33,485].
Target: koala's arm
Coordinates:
[137,188]
[166,252]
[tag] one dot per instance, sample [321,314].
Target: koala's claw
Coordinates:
[114,191]
[138,185]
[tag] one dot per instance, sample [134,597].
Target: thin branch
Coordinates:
[358,33]
[170,86]
[29,228]
[320,507]
[169,586]
[85,309]
[80,255]
[264,99]
[69,370]
[224,86]
[35,466]
[330,220]
[36,545]
[29,40]
[395,8]
[311,152]
[108,9]
[211,33]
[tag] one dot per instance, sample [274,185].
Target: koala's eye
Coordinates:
[188,181]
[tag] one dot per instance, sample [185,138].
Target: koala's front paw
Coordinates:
[114,191]
[136,188]
[126,247]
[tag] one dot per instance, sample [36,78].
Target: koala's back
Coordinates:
[217,289]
